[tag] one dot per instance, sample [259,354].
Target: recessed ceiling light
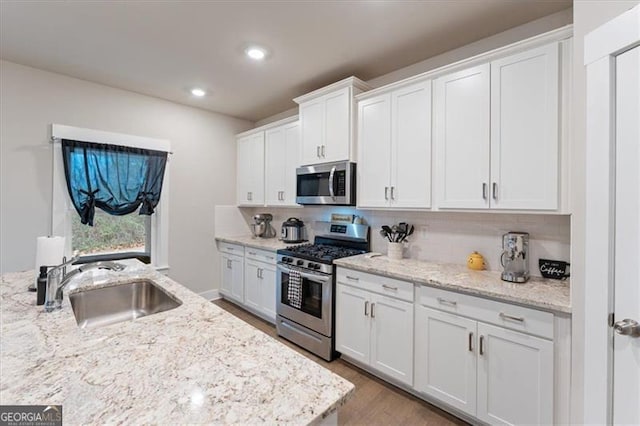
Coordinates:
[198,92]
[256,53]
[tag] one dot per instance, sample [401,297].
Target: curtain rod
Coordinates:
[54,140]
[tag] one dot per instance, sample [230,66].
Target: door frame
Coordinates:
[601,48]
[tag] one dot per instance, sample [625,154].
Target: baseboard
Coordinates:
[210,294]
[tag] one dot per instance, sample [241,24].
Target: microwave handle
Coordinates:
[315,277]
[333,172]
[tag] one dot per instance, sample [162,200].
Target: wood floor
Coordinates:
[374,402]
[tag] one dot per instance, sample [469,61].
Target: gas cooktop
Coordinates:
[323,253]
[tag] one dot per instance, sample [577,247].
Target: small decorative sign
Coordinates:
[554,269]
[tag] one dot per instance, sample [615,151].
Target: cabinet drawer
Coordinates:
[260,255]
[376,283]
[229,248]
[505,315]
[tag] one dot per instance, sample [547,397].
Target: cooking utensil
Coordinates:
[385,234]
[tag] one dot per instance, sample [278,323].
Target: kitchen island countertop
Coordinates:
[192,364]
[540,293]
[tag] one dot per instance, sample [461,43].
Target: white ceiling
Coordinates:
[165,48]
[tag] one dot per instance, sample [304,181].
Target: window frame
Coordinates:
[62,205]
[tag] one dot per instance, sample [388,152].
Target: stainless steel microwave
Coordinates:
[328,183]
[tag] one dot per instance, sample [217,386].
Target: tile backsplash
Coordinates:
[444,236]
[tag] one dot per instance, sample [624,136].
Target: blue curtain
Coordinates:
[116,179]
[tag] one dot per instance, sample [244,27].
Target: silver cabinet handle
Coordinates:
[372,314]
[322,151]
[392,197]
[228,263]
[481,345]
[509,317]
[388,287]
[331,176]
[253,253]
[366,308]
[484,190]
[471,341]
[318,151]
[494,189]
[352,278]
[386,192]
[447,302]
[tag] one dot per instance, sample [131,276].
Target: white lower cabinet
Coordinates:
[248,277]
[515,377]
[373,329]
[446,361]
[260,283]
[232,272]
[497,375]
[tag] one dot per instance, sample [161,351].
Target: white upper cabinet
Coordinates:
[374,160]
[497,133]
[282,156]
[524,130]
[267,161]
[394,138]
[250,171]
[461,136]
[327,120]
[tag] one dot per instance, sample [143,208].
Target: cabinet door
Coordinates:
[252,284]
[237,278]
[250,170]
[374,141]
[524,130]
[446,361]
[515,377]
[291,162]
[337,137]
[268,291]
[352,322]
[226,275]
[392,338]
[461,137]
[312,130]
[275,166]
[411,147]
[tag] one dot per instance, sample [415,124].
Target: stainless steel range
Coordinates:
[306,286]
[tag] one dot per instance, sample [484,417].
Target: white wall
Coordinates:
[444,236]
[202,167]
[587,16]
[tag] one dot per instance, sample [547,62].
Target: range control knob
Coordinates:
[300,262]
[287,259]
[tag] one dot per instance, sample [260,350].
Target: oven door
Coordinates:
[317,293]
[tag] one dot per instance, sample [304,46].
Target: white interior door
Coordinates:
[626,339]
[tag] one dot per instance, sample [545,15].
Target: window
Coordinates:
[109,239]
[112,237]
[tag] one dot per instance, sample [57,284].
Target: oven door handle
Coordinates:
[331,175]
[310,276]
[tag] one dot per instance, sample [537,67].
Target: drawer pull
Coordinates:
[447,302]
[388,287]
[352,278]
[471,341]
[366,308]
[252,253]
[481,345]
[230,248]
[509,317]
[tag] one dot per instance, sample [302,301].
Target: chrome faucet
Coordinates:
[57,279]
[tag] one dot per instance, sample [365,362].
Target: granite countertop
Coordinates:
[193,364]
[541,293]
[271,244]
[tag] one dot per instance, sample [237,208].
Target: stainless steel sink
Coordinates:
[121,302]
